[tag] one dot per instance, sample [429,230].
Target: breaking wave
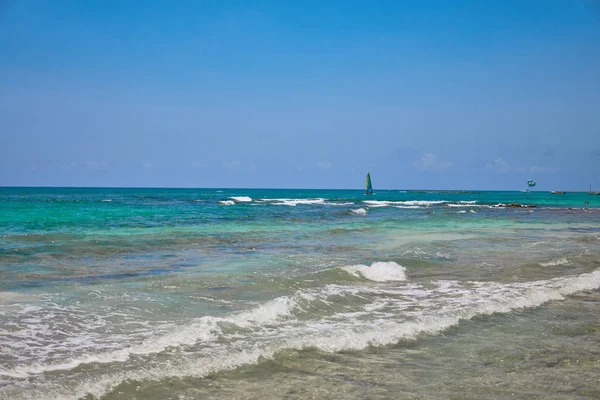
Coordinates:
[402,204]
[378,271]
[293,202]
[553,263]
[241,199]
[331,318]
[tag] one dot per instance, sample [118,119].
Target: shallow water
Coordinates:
[222,293]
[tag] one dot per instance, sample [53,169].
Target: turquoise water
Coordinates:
[247,293]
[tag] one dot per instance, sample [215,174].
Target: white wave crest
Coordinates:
[385,203]
[241,199]
[294,202]
[360,211]
[560,261]
[398,312]
[226,202]
[378,271]
[205,329]
[423,202]
[266,313]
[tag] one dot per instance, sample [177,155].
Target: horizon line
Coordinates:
[287,188]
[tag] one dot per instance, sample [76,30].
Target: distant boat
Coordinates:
[557,192]
[369,186]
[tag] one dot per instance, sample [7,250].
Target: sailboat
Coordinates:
[369,186]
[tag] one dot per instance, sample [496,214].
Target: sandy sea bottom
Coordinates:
[548,352]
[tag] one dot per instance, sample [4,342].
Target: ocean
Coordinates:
[296,294]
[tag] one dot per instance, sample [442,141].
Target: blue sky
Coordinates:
[423,94]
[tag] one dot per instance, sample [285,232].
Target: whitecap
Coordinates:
[294,202]
[378,271]
[399,311]
[241,199]
[553,263]
[386,203]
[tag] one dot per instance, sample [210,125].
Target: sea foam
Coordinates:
[294,202]
[241,199]
[552,263]
[399,312]
[400,204]
[378,271]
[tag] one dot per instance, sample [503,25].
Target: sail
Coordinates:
[369,186]
[531,183]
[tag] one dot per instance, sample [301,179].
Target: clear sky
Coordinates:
[423,94]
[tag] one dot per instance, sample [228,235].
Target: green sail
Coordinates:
[369,186]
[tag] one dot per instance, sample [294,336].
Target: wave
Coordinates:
[385,203]
[202,329]
[226,202]
[360,211]
[7,297]
[293,202]
[553,263]
[314,201]
[420,254]
[378,271]
[370,316]
[241,199]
